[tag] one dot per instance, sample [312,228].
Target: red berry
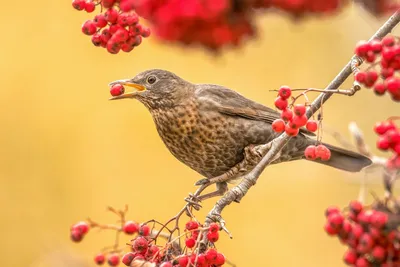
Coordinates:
[166,264]
[299,121]
[361,77]
[90,7]
[387,72]
[140,244]
[117,89]
[362,262]
[89,28]
[113,260]
[323,152]
[387,54]
[100,21]
[144,230]
[79,4]
[372,77]
[356,206]
[285,92]
[220,260]
[130,227]
[183,261]
[309,152]
[211,256]
[121,35]
[330,230]
[379,219]
[366,243]
[190,242]
[111,15]
[113,47]
[281,103]
[128,258]
[393,84]
[336,220]
[379,88]
[364,217]
[388,41]
[278,125]
[82,227]
[287,115]
[362,48]
[378,253]
[331,210]
[76,235]
[192,225]
[107,3]
[393,136]
[152,251]
[299,110]
[145,32]
[99,259]
[370,57]
[350,257]
[290,130]
[312,126]
[212,236]
[383,143]
[376,46]
[214,227]
[96,39]
[127,48]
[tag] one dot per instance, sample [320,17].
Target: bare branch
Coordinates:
[250,179]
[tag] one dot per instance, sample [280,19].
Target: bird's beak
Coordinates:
[137,87]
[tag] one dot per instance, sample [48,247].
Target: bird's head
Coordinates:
[155,88]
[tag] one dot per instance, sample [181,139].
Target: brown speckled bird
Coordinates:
[207,126]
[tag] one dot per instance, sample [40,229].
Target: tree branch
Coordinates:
[250,179]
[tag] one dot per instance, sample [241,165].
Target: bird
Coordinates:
[208,127]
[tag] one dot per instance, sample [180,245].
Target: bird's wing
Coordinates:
[229,102]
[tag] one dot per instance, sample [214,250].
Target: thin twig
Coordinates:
[250,179]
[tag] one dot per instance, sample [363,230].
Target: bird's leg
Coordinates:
[252,155]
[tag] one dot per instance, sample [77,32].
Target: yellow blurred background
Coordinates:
[67,152]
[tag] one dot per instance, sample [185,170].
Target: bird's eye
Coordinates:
[151,79]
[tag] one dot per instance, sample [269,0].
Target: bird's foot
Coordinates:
[193,201]
[204,181]
[214,217]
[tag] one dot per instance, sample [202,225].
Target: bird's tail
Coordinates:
[345,159]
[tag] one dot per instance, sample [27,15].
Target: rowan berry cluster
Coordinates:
[369,232]
[117,26]
[146,246]
[383,57]
[389,140]
[293,118]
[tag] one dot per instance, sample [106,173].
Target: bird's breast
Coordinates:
[203,141]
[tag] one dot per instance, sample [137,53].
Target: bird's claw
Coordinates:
[193,201]
[218,218]
[202,182]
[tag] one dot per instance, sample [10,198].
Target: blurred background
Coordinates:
[67,152]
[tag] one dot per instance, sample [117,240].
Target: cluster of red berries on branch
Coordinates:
[369,232]
[213,24]
[389,140]
[159,248]
[383,58]
[294,118]
[117,26]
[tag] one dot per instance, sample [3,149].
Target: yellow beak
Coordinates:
[138,87]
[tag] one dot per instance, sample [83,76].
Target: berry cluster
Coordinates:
[389,139]
[383,57]
[146,246]
[370,233]
[78,231]
[293,118]
[117,28]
